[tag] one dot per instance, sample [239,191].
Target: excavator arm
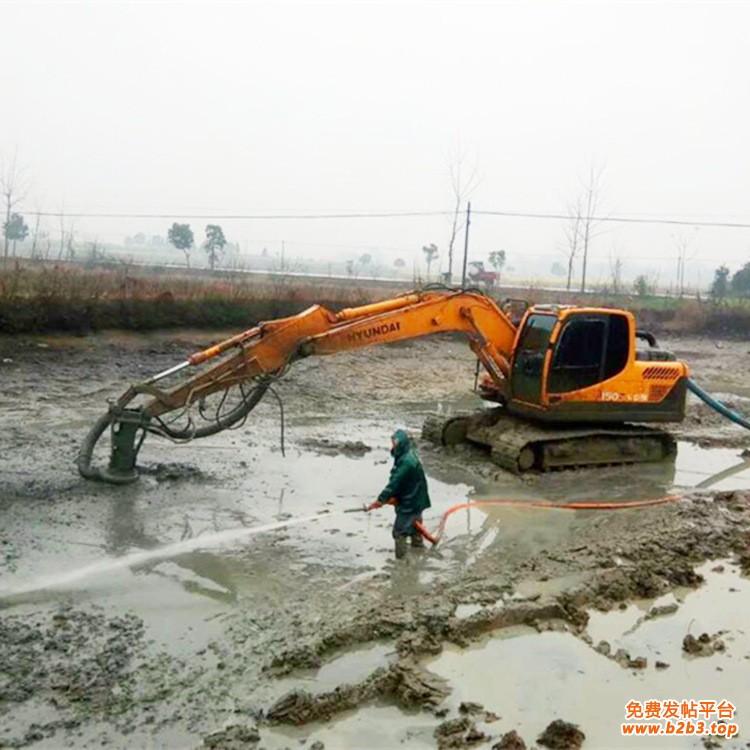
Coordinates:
[220,385]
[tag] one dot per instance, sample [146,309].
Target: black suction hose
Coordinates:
[717,405]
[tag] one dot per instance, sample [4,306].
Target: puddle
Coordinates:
[529,679]
[712,468]
[220,523]
[550,587]
[370,727]
[346,669]
[526,529]
[526,678]
[464,611]
[721,603]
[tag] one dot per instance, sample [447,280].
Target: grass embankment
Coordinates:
[44,298]
[59,298]
[659,314]
[729,319]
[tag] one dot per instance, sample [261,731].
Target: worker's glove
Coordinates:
[373,506]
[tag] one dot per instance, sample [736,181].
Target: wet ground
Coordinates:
[156,614]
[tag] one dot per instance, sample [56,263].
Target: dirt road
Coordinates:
[310,634]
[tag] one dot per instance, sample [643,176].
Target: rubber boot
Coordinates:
[401,547]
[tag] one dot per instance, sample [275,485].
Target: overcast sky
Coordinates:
[311,107]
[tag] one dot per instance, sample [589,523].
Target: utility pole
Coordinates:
[466,244]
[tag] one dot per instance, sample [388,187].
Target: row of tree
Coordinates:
[738,285]
[496,259]
[181,237]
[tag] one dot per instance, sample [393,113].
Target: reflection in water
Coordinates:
[212,577]
[125,531]
[125,528]
[720,476]
[142,559]
[711,467]
[617,483]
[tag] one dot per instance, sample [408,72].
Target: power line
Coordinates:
[390,215]
[228,217]
[620,219]
[682,216]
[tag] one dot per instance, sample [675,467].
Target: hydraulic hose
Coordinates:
[219,423]
[717,405]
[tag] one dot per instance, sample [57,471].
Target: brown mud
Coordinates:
[312,633]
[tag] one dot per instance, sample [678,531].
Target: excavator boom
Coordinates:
[268,349]
[247,364]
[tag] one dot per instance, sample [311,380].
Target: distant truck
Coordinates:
[480,275]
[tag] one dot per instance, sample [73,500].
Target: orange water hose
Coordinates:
[546,504]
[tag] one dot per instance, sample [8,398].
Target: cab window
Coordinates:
[590,349]
[536,333]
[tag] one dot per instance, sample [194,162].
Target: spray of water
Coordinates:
[110,565]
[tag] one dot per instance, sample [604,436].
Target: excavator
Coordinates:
[565,386]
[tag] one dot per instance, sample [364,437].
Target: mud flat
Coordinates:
[310,633]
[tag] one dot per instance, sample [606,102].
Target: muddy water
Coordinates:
[712,468]
[530,678]
[183,557]
[218,602]
[187,566]
[349,667]
[374,726]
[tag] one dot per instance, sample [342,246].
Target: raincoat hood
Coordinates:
[407,483]
[403,443]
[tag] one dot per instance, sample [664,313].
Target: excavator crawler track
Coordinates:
[519,445]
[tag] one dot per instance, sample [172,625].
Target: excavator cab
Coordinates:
[582,365]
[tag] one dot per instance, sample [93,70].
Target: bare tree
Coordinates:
[35,231]
[571,245]
[70,240]
[67,236]
[464,180]
[615,270]
[590,200]
[13,187]
[62,232]
[67,246]
[683,256]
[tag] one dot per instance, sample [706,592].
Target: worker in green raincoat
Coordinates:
[407,490]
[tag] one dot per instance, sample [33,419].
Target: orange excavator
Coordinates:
[568,382]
